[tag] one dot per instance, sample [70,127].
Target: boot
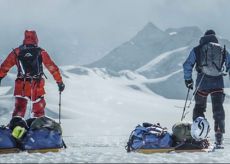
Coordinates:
[219,140]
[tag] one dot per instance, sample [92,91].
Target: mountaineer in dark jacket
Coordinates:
[209,58]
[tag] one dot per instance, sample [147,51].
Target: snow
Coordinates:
[164,78]
[172,33]
[159,58]
[4,90]
[98,114]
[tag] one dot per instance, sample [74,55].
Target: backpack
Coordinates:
[44,133]
[210,58]
[182,138]
[181,132]
[149,136]
[30,62]
[45,122]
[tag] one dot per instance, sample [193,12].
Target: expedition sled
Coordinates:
[41,135]
[176,150]
[152,138]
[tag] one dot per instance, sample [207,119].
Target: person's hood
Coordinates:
[208,38]
[30,38]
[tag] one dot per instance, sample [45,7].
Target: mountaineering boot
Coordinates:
[219,127]
[219,140]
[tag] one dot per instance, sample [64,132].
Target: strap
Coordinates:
[217,91]
[198,54]
[202,93]
[206,93]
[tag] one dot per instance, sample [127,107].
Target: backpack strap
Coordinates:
[156,129]
[224,54]
[20,67]
[197,51]
[19,64]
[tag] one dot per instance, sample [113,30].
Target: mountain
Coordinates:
[146,45]
[156,54]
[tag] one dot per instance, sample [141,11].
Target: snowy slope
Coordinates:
[101,110]
[158,59]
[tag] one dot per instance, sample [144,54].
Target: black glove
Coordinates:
[189,83]
[61,86]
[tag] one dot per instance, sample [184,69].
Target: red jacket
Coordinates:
[36,87]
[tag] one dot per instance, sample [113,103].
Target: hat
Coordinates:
[210,32]
[30,38]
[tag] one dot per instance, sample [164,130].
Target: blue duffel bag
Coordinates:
[149,136]
[44,133]
[6,139]
[42,139]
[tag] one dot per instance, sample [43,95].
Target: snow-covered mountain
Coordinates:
[155,53]
[146,45]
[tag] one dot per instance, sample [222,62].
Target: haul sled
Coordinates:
[152,138]
[184,147]
[36,135]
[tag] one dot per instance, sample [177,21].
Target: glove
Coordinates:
[61,86]
[189,83]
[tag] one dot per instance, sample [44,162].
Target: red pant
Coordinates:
[21,105]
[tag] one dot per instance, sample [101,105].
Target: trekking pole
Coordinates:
[194,93]
[59,107]
[183,115]
[59,104]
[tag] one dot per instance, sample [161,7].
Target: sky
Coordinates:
[86,30]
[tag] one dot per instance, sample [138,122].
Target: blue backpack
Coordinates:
[44,133]
[149,136]
[6,139]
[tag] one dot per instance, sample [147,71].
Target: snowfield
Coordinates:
[99,111]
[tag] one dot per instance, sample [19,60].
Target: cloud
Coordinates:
[100,25]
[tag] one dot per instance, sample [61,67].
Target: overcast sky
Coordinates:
[100,25]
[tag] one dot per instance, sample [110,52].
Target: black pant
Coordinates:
[217,98]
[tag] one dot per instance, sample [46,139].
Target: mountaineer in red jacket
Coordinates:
[29,84]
